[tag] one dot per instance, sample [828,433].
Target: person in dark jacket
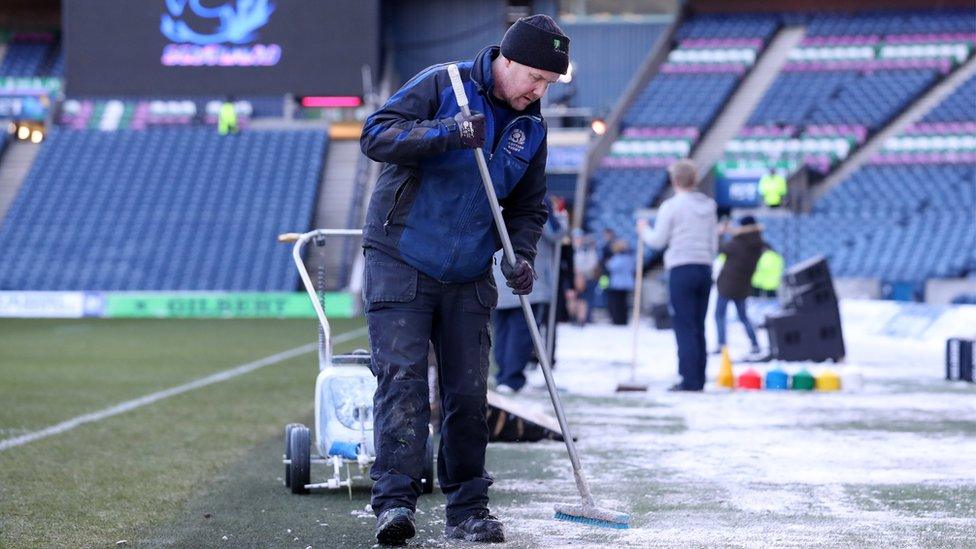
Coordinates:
[734,283]
[428,240]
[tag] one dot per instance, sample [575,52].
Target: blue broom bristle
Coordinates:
[591,521]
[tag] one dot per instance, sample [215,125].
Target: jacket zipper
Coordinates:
[396,202]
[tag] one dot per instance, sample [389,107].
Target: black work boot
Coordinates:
[478,527]
[395,526]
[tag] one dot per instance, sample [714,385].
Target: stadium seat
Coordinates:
[163,209]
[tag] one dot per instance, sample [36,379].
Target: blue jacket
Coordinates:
[429,206]
[622,267]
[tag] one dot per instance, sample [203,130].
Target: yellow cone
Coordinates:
[725,377]
[828,380]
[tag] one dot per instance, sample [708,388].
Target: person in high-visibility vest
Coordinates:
[227,118]
[769,272]
[773,188]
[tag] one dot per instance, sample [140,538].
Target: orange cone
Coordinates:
[725,377]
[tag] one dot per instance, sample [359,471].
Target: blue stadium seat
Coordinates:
[840,97]
[681,100]
[727,25]
[23,59]
[889,22]
[167,209]
[958,107]
[896,223]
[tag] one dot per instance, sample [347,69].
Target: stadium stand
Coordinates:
[706,64]
[32,54]
[613,199]
[905,217]
[893,249]
[851,75]
[605,57]
[894,22]
[112,113]
[165,209]
[958,107]
[702,97]
[840,97]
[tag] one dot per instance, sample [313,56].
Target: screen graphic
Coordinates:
[219,47]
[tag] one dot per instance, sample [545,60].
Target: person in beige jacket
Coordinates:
[686,227]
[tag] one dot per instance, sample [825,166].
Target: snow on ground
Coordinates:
[892,463]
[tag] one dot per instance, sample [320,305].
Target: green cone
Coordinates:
[802,381]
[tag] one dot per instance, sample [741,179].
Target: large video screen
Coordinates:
[202,47]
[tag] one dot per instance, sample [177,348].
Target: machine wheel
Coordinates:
[301,448]
[288,429]
[427,483]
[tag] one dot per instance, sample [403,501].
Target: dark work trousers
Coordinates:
[617,306]
[690,286]
[721,310]
[406,309]
[513,344]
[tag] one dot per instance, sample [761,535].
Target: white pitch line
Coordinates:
[166,393]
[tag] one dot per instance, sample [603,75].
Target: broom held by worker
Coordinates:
[428,240]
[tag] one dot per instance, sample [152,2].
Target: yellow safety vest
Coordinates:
[769,271]
[227,119]
[773,189]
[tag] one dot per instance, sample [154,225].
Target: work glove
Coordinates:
[471,128]
[520,277]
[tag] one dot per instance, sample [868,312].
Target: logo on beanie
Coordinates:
[558,45]
[516,141]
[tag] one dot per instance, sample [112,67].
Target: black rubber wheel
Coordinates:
[288,429]
[300,445]
[427,482]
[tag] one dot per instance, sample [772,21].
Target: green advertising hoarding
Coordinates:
[223,305]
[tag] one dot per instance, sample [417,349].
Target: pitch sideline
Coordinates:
[128,405]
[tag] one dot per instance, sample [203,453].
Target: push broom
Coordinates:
[587,512]
[633,385]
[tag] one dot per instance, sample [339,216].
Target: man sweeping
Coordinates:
[428,241]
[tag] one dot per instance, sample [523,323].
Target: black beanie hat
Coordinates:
[529,44]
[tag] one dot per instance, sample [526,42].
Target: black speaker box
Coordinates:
[812,296]
[661,316]
[806,272]
[806,335]
[960,360]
